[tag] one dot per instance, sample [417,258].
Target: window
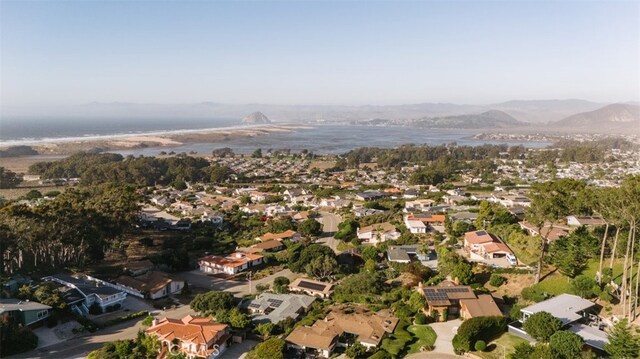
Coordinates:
[43,314]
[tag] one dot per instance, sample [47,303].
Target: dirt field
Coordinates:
[21,164]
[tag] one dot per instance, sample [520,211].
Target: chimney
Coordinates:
[154,322]
[456,281]
[420,286]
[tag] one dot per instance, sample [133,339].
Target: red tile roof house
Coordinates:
[482,246]
[232,264]
[196,337]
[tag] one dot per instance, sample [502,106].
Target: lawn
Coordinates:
[501,346]
[396,342]
[557,283]
[426,337]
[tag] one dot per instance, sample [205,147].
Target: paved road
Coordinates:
[237,288]
[330,223]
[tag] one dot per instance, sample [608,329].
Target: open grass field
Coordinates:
[501,347]
[557,283]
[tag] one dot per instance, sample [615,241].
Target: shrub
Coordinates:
[497,280]
[480,345]
[566,345]
[95,309]
[421,318]
[533,293]
[541,326]
[479,328]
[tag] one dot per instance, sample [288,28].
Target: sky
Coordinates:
[330,52]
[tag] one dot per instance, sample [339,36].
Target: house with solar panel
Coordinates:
[311,287]
[450,299]
[274,308]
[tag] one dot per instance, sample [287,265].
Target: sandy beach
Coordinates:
[67,146]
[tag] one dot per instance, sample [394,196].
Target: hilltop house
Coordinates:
[151,285]
[232,264]
[274,308]
[288,235]
[577,315]
[449,298]
[311,287]
[81,292]
[484,247]
[195,337]
[342,327]
[377,233]
[24,313]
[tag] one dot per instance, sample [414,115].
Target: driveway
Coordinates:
[330,223]
[445,332]
[238,288]
[240,350]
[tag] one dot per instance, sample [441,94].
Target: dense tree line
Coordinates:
[144,171]
[9,179]
[74,228]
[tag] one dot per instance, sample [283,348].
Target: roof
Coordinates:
[564,307]
[12,305]
[311,285]
[588,220]
[440,296]
[138,265]
[277,307]
[149,282]
[83,286]
[270,244]
[551,233]
[235,259]
[415,223]
[198,330]
[277,236]
[484,306]
[592,336]
[478,237]
[428,218]
[496,247]
[369,327]
[397,254]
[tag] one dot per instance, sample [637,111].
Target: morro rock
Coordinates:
[256,118]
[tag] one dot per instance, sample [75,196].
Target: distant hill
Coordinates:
[546,110]
[255,118]
[484,120]
[615,117]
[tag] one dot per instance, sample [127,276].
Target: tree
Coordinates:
[356,350]
[566,345]
[272,348]
[9,179]
[257,153]
[237,319]
[347,230]
[522,351]
[369,266]
[542,351]
[480,345]
[417,302]
[571,253]
[211,302]
[322,267]
[584,286]
[15,339]
[310,228]
[541,326]
[265,329]
[281,284]
[623,344]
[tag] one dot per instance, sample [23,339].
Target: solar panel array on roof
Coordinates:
[453,290]
[254,305]
[275,302]
[313,286]
[437,296]
[481,233]
[429,290]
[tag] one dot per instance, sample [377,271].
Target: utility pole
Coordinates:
[250,288]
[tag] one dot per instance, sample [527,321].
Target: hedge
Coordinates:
[479,328]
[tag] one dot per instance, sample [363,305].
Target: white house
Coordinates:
[377,233]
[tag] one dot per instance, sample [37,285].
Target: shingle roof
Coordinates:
[277,307]
[11,305]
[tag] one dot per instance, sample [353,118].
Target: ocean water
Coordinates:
[337,139]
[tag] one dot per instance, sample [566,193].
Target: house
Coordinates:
[551,233]
[484,247]
[468,217]
[483,306]
[151,285]
[232,264]
[370,195]
[152,215]
[269,246]
[24,313]
[577,315]
[274,308]
[136,268]
[342,327]
[428,219]
[82,292]
[377,233]
[311,287]
[408,253]
[288,234]
[444,299]
[415,226]
[419,205]
[585,221]
[195,337]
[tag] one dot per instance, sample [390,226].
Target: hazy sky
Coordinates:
[61,53]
